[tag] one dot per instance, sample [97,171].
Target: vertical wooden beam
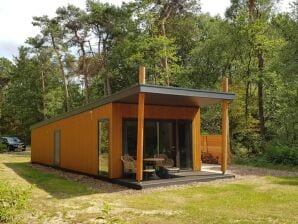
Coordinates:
[142,75]
[196,140]
[225,131]
[140,136]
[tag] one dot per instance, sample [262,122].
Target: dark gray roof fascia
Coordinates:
[109,99]
[186,92]
[134,90]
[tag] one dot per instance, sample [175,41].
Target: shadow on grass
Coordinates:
[284,180]
[57,186]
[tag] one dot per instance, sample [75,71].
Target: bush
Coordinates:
[281,154]
[2,147]
[13,198]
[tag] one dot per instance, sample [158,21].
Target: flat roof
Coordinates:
[155,95]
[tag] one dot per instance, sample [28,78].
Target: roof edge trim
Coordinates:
[97,103]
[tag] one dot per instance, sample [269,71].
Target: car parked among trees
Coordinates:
[13,143]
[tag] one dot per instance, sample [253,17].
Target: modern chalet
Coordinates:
[141,134]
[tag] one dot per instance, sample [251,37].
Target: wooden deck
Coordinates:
[183,177]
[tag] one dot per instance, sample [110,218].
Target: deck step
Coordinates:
[172,181]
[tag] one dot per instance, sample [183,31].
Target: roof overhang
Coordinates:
[154,95]
[173,96]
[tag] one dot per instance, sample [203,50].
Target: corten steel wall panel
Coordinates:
[79,141]
[42,145]
[121,111]
[116,142]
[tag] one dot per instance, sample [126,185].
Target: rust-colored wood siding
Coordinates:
[79,141]
[79,136]
[121,111]
[212,144]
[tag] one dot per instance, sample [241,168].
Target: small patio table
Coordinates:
[153,160]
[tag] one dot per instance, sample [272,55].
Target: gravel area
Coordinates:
[102,186]
[241,172]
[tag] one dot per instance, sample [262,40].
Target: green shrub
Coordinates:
[281,154]
[2,147]
[13,198]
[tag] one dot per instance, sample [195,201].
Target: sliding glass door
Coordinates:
[159,138]
[168,137]
[184,144]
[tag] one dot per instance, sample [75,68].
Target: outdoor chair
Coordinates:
[129,165]
[166,167]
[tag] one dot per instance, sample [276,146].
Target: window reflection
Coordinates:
[104,147]
[170,138]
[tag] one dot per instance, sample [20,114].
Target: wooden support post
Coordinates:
[142,75]
[140,136]
[225,129]
[196,141]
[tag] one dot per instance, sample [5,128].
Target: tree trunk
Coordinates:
[81,41]
[260,57]
[66,94]
[105,92]
[247,94]
[251,8]
[43,90]
[109,89]
[247,100]
[85,74]
[260,95]
[165,58]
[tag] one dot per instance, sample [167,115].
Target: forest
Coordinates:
[81,55]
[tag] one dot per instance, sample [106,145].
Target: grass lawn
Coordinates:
[59,199]
[261,162]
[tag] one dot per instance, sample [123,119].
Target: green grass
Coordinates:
[56,199]
[55,185]
[284,180]
[227,203]
[261,162]
[13,198]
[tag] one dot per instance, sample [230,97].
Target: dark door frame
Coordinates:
[57,138]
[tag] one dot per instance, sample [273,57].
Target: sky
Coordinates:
[16,18]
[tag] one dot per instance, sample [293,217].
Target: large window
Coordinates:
[159,138]
[169,137]
[103,147]
[130,137]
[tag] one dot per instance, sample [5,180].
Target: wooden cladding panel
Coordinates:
[79,136]
[140,137]
[212,144]
[225,128]
[42,145]
[196,140]
[79,141]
